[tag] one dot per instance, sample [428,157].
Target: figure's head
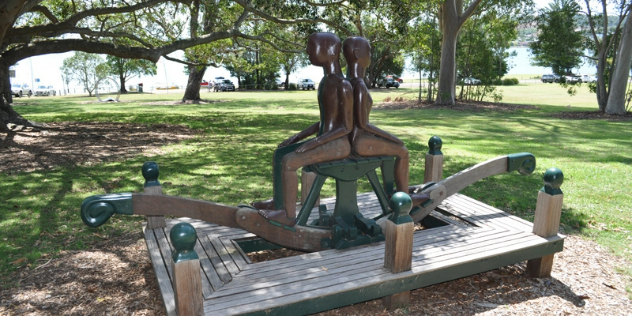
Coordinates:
[357,50]
[323,48]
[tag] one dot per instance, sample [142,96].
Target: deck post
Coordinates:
[434,160]
[152,186]
[398,249]
[187,279]
[307,181]
[547,219]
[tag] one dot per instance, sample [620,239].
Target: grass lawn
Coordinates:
[230,161]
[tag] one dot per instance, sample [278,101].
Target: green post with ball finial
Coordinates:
[547,219]
[434,160]
[187,278]
[398,248]
[152,186]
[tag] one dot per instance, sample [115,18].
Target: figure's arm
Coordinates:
[382,134]
[343,121]
[301,135]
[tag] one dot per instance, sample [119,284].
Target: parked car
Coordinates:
[306,84]
[588,78]
[224,85]
[573,79]
[21,90]
[45,91]
[388,82]
[471,81]
[550,78]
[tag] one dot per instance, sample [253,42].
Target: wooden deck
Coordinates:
[478,238]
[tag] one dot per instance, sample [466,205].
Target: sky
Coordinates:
[46,69]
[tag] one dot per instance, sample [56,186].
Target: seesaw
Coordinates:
[463,237]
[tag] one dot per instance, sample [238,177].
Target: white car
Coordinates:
[588,78]
[21,90]
[306,84]
[45,90]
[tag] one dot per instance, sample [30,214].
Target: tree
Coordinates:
[601,34]
[559,44]
[126,69]
[87,69]
[617,97]
[136,29]
[451,19]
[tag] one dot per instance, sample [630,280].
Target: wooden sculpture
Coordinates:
[347,147]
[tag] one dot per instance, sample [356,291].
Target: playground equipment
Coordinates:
[200,257]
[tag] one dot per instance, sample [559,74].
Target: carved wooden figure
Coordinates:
[367,140]
[335,101]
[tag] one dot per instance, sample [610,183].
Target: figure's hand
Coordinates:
[288,141]
[308,146]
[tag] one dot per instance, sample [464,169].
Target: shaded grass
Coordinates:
[229,163]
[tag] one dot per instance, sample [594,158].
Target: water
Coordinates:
[521,64]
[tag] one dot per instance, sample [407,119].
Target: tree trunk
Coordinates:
[287,80]
[446,88]
[192,91]
[619,81]
[7,114]
[122,80]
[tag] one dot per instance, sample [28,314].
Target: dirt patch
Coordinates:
[115,277]
[71,144]
[458,106]
[593,115]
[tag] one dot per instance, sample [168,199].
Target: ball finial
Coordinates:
[151,173]
[434,145]
[183,238]
[553,179]
[401,204]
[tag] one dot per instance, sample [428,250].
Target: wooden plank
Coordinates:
[336,297]
[311,273]
[184,207]
[483,209]
[216,261]
[481,216]
[234,253]
[165,249]
[353,275]
[224,256]
[209,273]
[164,282]
[433,236]
[517,219]
[337,283]
[241,251]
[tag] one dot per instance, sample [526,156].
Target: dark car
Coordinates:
[224,85]
[550,78]
[388,82]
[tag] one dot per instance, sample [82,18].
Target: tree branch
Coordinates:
[274,19]
[46,12]
[468,12]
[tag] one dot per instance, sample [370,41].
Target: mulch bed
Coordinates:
[71,144]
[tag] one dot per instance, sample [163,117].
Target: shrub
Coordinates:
[293,86]
[510,81]
[497,82]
